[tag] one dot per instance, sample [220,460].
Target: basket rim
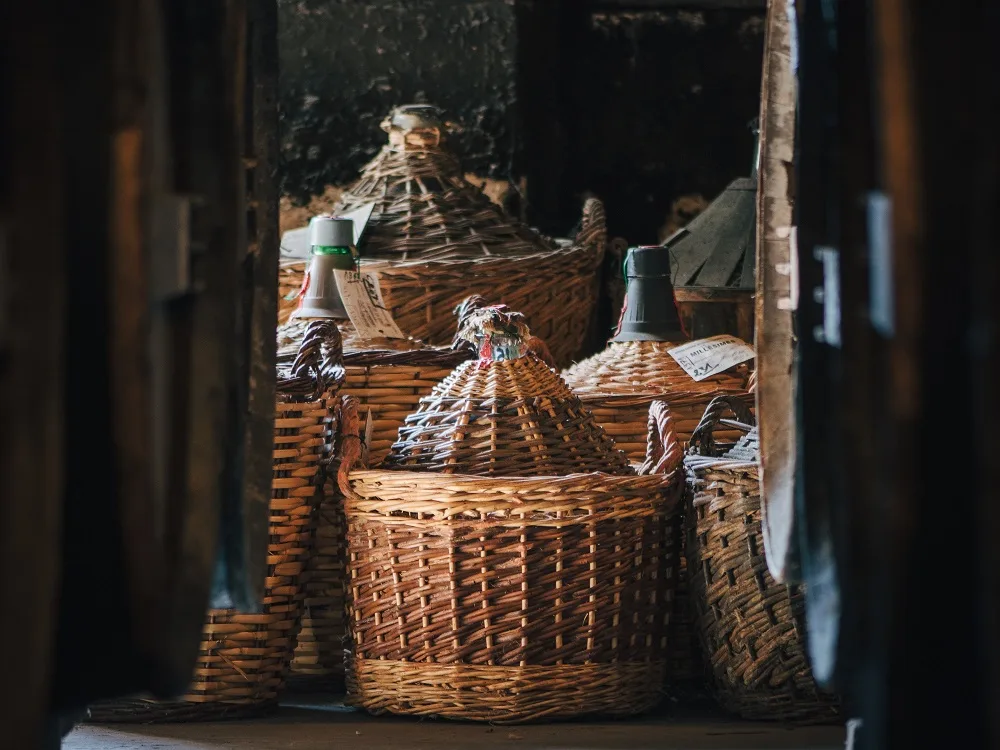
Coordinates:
[645,398]
[435,478]
[392,266]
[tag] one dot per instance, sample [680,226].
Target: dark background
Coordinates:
[639,102]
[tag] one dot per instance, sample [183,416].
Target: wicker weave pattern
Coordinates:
[510,418]
[751,627]
[508,598]
[619,384]
[243,658]
[435,238]
[387,376]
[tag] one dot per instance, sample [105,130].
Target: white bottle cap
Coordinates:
[326,231]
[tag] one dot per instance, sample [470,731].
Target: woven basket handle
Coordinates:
[320,354]
[703,437]
[663,450]
[350,448]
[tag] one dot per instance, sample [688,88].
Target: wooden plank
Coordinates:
[730,234]
[775,300]
[260,290]
[32,330]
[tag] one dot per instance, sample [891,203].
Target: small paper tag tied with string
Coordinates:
[362,298]
[704,358]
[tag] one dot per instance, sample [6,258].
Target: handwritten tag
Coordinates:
[707,357]
[362,298]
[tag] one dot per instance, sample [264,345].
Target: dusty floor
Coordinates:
[331,727]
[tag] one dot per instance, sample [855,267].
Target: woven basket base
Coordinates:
[148,711]
[503,695]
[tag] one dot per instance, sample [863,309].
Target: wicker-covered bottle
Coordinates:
[387,378]
[620,383]
[434,238]
[244,658]
[751,627]
[506,563]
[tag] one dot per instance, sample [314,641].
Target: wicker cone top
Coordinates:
[638,372]
[508,418]
[424,206]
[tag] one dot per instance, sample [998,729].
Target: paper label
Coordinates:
[706,357]
[362,298]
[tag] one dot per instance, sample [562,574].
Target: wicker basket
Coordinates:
[435,238]
[507,564]
[751,627]
[619,383]
[243,658]
[387,377]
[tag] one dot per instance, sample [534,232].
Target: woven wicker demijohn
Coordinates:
[620,383]
[506,562]
[387,377]
[752,628]
[434,238]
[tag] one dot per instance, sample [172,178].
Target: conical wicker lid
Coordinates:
[645,369]
[514,417]
[424,207]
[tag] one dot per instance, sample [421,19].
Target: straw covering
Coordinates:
[751,627]
[619,383]
[434,238]
[513,417]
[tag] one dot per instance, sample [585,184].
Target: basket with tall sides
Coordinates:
[751,627]
[506,564]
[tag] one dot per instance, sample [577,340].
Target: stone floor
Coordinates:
[328,725]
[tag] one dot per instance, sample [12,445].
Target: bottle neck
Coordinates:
[330,250]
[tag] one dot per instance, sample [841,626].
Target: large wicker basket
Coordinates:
[751,627]
[618,385]
[507,564]
[435,238]
[244,658]
[388,378]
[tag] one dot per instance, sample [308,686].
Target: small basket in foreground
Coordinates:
[751,627]
[243,658]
